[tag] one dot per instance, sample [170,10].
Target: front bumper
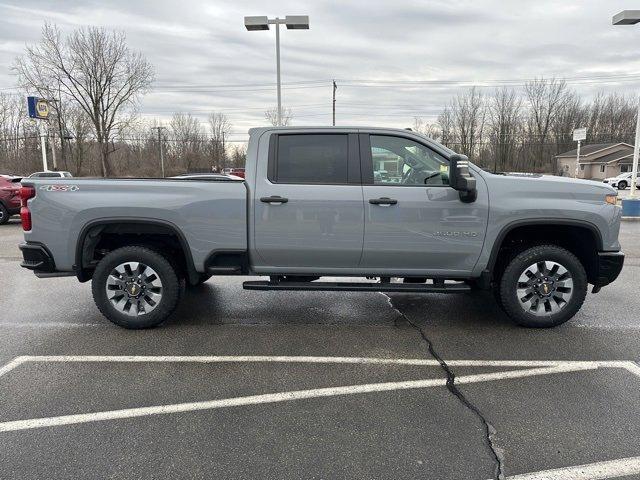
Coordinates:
[609,267]
[37,257]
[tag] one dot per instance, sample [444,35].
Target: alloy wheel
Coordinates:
[544,288]
[134,288]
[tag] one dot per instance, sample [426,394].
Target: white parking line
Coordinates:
[12,364]
[632,367]
[278,397]
[593,471]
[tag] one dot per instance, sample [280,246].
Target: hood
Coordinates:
[551,183]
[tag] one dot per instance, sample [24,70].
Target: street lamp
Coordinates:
[293,22]
[631,17]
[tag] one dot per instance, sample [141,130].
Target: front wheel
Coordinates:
[543,286]
[622,185]
[135,287]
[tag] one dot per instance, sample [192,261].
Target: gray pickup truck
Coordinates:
[390,206]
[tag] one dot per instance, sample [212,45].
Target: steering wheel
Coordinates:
[431,175]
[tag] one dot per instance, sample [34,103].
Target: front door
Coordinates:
[414,222]
[308,211]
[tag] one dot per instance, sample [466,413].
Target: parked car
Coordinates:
[50,174]
[9,197]
[239,172]
[622,181]
[313,206]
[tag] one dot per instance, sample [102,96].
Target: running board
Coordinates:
[359,287]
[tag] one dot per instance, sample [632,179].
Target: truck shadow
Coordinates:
[224,302]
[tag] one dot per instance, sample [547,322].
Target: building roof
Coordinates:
[593,149]
[610,158]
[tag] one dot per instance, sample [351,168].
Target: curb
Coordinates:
[631,219]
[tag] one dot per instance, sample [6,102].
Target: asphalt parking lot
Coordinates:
[283,385]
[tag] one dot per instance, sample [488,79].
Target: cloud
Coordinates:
[199,49]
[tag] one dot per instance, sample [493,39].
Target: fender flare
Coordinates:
[539,221]
[78,267]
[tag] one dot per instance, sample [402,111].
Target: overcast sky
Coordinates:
[392,60]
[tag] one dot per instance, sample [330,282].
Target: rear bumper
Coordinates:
[609,267]
[37,257]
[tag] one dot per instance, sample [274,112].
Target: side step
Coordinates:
[359,287]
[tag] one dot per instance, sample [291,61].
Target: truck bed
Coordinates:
[211,215]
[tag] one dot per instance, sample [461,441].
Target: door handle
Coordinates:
[274,199]
[383,201]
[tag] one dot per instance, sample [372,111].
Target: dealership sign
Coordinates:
[38,108]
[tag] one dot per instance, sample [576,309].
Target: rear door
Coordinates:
[308,204]
[414,222]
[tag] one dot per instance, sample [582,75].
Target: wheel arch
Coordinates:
[82,249]
[564,231]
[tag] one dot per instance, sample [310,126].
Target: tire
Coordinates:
[622,185]
[158,287]
[4,214]
[543,286]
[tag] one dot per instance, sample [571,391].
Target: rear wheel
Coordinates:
[543,286]
[622,185]
[4,215]
[135,287]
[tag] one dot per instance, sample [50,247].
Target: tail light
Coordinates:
[25,215]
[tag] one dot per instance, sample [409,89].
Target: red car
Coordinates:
[238,172]
[9,197]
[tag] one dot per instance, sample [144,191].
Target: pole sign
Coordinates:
[38,108]
[579,134]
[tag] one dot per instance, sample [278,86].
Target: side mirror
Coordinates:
[460,178]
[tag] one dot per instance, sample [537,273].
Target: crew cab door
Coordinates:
[308,205]
[414,222]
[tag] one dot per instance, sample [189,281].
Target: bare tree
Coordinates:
[468,115]
[546,98]
[78,129]
[188,144]
[447,130]
[238,156]
[220,129]
[504,126]
[271,116]
[612,118]
[430,129]
[92,67]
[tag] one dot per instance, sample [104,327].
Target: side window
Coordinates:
[313,158]
[401,161]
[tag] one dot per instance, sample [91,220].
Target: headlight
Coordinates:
[611,199]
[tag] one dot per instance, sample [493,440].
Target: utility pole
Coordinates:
[335,87]
[52,141]
[224,157]
[159,129]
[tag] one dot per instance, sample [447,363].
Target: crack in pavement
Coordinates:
[490,431]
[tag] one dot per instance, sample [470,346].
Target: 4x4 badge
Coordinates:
[60,188]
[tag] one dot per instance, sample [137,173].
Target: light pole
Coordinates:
[631,17]
[293,22]
[159,129]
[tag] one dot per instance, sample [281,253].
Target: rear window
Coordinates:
[313,158]
[48,175]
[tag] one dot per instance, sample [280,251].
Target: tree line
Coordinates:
[134,150]
[94,83]
[523,129]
